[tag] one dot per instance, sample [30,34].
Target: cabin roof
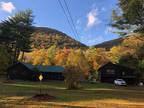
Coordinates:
[42,68]
[116,65]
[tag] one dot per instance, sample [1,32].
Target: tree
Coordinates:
[77,58]
[129,17]
[141,68]
[50,54]
[16,32]
[133,42]
[116,53]
[129,61]
[132,54]
[61,56]
[4,60]
[134,45]
[43,56]
[77,69]
[140,52]
[72,76]
[96,57]
[38,57]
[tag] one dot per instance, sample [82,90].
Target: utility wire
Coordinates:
[63,9]
[71,18]
[66,17]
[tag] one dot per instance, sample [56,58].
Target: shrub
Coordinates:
[72,76]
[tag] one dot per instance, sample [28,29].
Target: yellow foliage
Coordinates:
[96,57]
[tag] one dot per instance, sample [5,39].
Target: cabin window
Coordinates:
[110,71]
[123,73]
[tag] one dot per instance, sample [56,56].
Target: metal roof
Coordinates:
[44,68]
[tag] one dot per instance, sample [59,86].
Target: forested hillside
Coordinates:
[45,37]
[129,52]
[109,44]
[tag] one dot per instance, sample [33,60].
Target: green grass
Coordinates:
[101,95]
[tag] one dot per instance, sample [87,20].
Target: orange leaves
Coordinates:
[87,60]
[60,58]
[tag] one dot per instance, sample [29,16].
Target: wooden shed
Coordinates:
[25,71]
[109,72]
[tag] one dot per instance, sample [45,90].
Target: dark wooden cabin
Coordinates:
[25,71]
[109,72]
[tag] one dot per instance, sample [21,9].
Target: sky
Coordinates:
[91,17]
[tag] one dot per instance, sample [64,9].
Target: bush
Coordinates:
[72,76]
[93,76]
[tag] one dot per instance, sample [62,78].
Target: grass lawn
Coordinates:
[18,93]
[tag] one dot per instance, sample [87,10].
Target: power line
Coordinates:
[66,17]
[63,9]
[71,18]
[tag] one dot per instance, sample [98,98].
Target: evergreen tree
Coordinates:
[4,60]
[16,32]
[129,17]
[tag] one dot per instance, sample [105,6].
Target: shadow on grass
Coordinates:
[100,92]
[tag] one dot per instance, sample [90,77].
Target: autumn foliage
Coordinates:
[129,53]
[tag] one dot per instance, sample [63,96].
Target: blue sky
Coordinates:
[91,17]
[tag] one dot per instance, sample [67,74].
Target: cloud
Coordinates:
[92,18]
[7,6]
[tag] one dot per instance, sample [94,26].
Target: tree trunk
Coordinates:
[22,58]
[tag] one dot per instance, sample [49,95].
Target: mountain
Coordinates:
[45,37]
[110,44]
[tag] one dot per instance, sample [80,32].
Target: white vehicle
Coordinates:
[120,82]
